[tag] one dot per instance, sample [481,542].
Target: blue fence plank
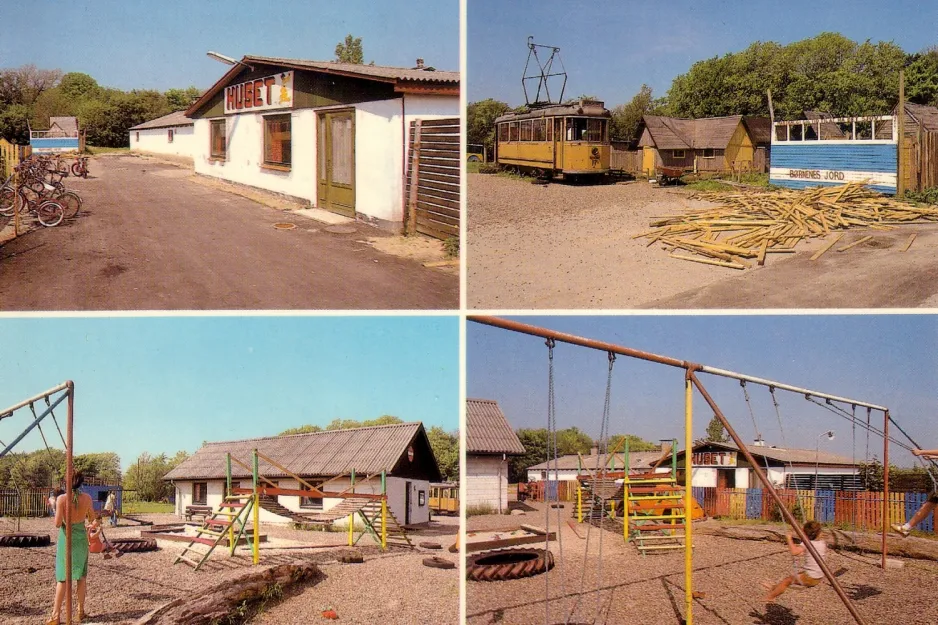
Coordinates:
[699,493]
[824,506]
[914,501]
[753,503]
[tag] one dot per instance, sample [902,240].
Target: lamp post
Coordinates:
[227,60]
[817,450]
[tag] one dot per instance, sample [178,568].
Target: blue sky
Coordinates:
[164,384]
[609,47]
[159,45]
[889,360]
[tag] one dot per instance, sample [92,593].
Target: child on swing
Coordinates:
[810,573]
[927,508]
[98,542]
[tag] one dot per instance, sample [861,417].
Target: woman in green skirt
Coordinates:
[81,509]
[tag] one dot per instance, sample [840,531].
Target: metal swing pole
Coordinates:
[885,484]
[688,497]
[786,513]
[69,480]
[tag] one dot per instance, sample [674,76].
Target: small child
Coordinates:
[927,508]
[810,573]
[98,542]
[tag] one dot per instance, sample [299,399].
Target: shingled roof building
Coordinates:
[489,442]
[170,135]
[323,459]
[332,134]
[710,144]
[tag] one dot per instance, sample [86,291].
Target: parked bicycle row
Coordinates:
[36,188]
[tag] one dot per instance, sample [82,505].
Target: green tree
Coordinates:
[14,124]
[636,443]
[716,432]
[105,465]
[921,77]
[350,50]
[145,476]
[303,429]
[180,99]
[626,117]
[445,447]
[76,85]
[344,424]
[480,121]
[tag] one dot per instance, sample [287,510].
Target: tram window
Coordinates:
[550,129]
[513,131]
[526,129]
[576,129]
[503,132]
[539,133]
[594,129]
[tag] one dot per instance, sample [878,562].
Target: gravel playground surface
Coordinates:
[122,590]
[570,246]
[650,589]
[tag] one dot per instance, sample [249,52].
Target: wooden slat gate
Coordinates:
[433,173]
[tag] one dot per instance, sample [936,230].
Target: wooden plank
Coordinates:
[761,258]
[855,243]
[824,249]
[909,242]
[432,209]
[707,261]
[414,179]
[440,201]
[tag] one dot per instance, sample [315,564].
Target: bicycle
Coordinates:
[80,167]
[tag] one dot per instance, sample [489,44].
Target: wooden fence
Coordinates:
[10,156]
[629,161]
[561,490]
[861,509]
[28,502]
[434,167]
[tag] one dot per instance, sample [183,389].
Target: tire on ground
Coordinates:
[439,563]
[428,544]
[25,540]
[135,545]
[496,566]
[351,558]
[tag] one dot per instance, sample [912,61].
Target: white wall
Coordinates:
[535,475]
[156,141]
[487,482]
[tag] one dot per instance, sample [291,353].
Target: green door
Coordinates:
[336,166]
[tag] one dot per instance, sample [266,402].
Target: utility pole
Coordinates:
[900,142]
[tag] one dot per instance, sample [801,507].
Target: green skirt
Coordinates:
[79,553]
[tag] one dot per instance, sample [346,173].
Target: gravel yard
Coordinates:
[564,246]
[122,590]
[649,589]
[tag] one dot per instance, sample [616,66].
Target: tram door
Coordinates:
[558,143]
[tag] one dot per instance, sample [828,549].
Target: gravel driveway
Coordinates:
[564,246]
[649,589]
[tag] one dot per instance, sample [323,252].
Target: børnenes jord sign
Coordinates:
[260,94]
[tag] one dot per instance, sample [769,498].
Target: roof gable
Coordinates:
[176,118]
[674,133]
[927,116]
[367,450]
[488,431]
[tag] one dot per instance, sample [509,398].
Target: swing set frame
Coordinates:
[67,390]
[692,382]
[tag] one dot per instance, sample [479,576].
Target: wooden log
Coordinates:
[855,243]
[909,242]
[821,251]
[708,261]
[862,542]
[220,602]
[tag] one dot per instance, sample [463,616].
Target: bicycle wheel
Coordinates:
[76,169]
[7,201]
[71,203]
[50,213]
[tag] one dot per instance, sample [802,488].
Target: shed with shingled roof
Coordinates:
[490,441]
[712,144]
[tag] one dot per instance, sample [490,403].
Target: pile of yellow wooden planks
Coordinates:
[750,224]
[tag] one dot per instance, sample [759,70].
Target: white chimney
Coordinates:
[594,451]
[419,64]
[759,442]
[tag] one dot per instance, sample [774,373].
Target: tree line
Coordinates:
[829,73]
[29,96]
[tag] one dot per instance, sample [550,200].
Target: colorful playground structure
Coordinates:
[239,513]
[649,506]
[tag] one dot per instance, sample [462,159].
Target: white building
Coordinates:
[489,443]
[323,459]
[170,135]
[721,465]
[332,134]
[570,466]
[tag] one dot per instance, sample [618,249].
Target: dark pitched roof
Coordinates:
[367,450]
[927,116]
[830,131]
[674,133]
[760,129]
[68,125]
[793,456]
[177,118]
[402,77]
[488,431]
[637,460]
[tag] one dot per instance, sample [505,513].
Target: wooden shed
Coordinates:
[489,442]
[712,144]
[920,142]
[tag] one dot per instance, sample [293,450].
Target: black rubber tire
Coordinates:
[71,203]
[439,563]
[76,169]
[135,545]
[25,540]
[351,558]
[502,565]
[50,213]
[430,545]
[7,201]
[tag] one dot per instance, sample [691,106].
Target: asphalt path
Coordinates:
[149,237]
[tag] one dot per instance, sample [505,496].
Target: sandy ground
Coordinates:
[650,589]
[569,247]
[122,590]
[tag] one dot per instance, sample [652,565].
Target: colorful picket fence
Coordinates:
[861,510]
[560,490]
[27,502]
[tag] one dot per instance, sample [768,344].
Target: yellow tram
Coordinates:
[565,141]
[444,498]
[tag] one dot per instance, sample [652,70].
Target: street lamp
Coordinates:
[227,60]
[817,446]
